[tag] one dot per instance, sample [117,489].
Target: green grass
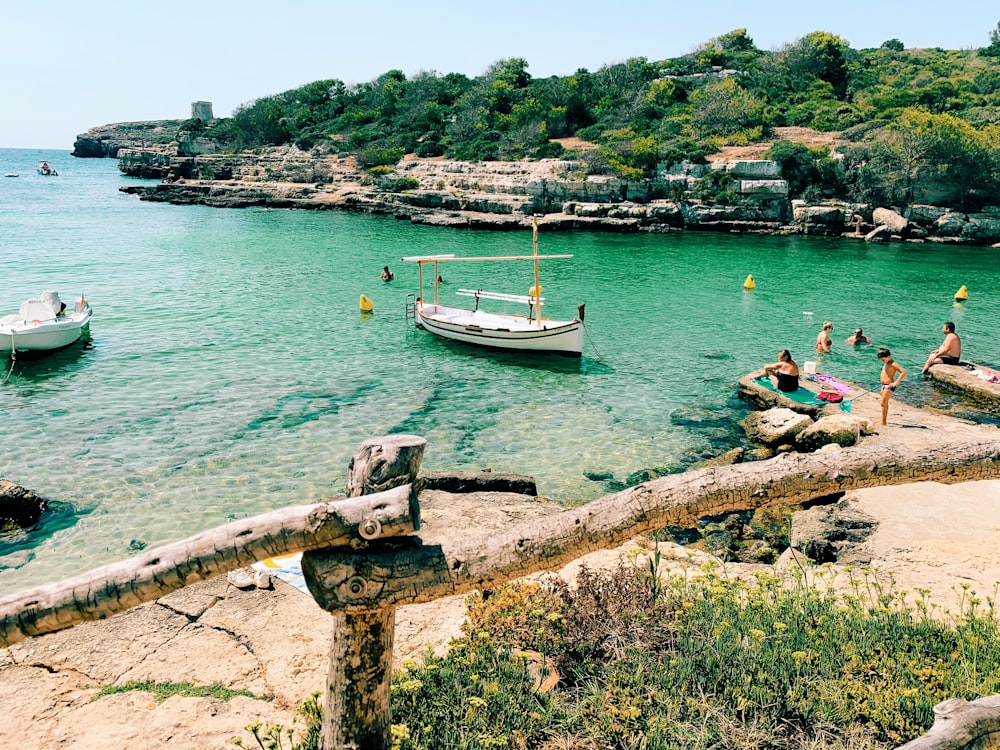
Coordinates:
[163,690]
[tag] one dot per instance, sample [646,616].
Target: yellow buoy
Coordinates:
[962,294]
[366,304]
[749,283]
[533,293]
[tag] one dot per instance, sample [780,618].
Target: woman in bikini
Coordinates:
[823,340]
[888,379]
[784,373]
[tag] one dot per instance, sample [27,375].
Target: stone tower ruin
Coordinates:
[202,110]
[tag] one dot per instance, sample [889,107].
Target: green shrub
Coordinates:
[695,660]
[398,184]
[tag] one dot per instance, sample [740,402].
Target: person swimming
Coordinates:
[858,338]
[784,373]
[387,274]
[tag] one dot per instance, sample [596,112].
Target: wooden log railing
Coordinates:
[361,560]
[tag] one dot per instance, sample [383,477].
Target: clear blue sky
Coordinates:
[68,66]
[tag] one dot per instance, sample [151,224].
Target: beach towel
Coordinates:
[831,381]
[287,569]
[801,395]
[985,373]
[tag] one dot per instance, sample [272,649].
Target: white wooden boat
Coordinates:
[531,332]
[43,323]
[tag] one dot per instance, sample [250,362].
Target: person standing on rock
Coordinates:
[888,379]
[950,351]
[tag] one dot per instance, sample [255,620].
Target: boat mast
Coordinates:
[537,287]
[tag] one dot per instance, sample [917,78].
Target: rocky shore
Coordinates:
[504,195]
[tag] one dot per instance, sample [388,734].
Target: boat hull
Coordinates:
[508,332]
[22,336]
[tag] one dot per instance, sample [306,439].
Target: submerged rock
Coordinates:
[20,508]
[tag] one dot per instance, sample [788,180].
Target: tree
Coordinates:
[822,55]
[939,154]
[723,108]
[893,44]
[993,50]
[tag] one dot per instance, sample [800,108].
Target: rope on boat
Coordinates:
[13,356]
[590,340]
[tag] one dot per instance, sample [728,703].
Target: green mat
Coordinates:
[801,395]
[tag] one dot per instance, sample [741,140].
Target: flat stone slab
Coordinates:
[762,397]
[960,378]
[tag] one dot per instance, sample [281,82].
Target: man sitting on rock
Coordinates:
[950,351]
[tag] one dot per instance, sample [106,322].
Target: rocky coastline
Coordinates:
[504,195]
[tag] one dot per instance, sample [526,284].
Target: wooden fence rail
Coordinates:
[361,559]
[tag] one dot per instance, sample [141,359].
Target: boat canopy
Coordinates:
[442,258]
[45,307]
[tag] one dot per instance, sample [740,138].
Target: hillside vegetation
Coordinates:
[918,125]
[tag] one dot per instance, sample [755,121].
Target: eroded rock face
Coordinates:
[823,532]
[20,508]
[820,220]
[775,426]
[843,429]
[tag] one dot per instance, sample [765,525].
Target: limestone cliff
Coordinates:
[105,141]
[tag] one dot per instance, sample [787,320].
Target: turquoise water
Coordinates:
[229,371]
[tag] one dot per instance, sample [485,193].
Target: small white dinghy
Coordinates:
[43,323]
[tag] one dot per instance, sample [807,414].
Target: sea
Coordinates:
[229,370]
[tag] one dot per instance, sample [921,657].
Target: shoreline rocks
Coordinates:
[504,195]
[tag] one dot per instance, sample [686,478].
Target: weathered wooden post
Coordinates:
[356,712]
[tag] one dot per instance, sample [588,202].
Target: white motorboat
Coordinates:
[46,169]
[43,323]
[530,332]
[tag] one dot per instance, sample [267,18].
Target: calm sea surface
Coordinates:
[229,371]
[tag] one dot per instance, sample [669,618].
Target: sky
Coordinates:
[69,66]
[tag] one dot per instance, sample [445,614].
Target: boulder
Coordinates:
[771,188]
[881,233]
[950,224]
[843,429]
[20,508]
[889,218]
[823,533]
[820,220]
[924,215]
[775,426]
[981,229]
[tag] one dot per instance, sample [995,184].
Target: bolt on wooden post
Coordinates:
[356,713]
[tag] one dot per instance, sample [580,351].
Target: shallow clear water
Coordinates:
[229,371]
